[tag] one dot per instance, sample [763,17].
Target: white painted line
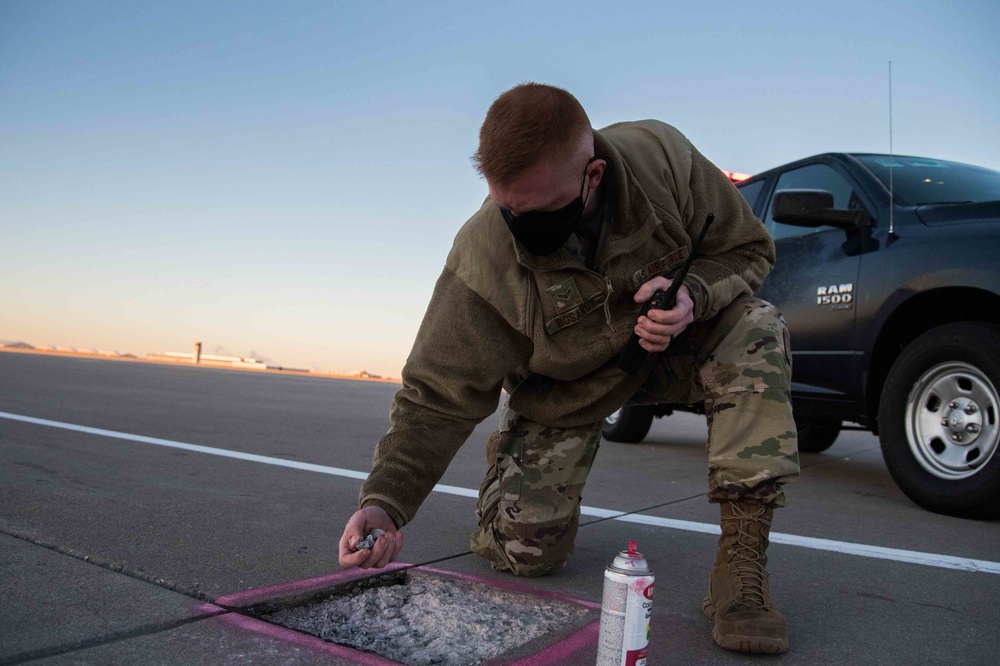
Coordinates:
[845,547]
[225,453]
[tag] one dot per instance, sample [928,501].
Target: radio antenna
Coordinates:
[892,202]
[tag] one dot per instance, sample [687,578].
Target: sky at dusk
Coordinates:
[285,178]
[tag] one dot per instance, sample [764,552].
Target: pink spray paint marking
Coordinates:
[262,594]
[551,656]
[303,640]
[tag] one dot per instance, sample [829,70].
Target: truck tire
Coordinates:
[939,419]
[816,435]
[629,424]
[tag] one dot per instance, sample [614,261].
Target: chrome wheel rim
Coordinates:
[951,420]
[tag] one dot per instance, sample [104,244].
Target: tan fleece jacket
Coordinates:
[548,329]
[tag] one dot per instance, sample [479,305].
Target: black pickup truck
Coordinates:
[888,275]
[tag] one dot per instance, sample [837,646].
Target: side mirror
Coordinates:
[812,208]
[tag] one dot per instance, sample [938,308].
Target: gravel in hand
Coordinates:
[368,540]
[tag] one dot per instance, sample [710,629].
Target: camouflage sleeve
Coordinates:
[737,253]
[451,382]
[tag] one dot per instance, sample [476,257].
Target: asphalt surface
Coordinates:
[120,544]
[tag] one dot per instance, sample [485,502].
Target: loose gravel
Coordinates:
[368,540]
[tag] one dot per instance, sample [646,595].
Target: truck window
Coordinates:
[751,193]
[812,177]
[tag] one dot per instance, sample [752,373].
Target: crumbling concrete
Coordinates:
[431,620]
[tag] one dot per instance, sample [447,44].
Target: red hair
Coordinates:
[529,123]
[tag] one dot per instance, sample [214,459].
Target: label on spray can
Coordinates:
[625,611]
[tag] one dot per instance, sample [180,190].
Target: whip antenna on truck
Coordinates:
[892,202]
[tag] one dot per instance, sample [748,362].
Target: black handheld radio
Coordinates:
[633,356]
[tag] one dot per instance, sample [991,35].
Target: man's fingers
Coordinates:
[348,557]
[375,553]
[375,557]
[353,559]
[398,546]
[646,291]
[346,545]
[384,550]
[378,557]
[658,328]
[665,317]
[652,348]
[351,536]
[656,338]
[650,328]
[387,550]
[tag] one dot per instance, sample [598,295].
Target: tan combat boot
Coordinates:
[739,600]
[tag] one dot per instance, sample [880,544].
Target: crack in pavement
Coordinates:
[145,630]
[150,579]
[104,639]
[110,565]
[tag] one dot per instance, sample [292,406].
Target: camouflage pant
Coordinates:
[738,364]
[529,502]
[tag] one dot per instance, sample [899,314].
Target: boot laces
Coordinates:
[746,562]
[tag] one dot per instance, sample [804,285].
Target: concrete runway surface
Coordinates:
[142,505]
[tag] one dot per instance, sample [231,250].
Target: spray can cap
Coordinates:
[630,561]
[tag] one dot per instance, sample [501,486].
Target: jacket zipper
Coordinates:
[607,303]
[607,283]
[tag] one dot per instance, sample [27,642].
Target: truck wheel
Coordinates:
[629,424]
[816,435]
[939,419]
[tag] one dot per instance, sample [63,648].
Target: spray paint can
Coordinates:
[625,610]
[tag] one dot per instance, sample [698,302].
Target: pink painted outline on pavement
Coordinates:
[550,656]
[262,594]
[304,640]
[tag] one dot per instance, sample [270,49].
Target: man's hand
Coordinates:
[659,327]
[386,548]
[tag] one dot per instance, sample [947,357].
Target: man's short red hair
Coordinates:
[529,123]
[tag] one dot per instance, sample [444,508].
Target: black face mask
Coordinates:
[542,232]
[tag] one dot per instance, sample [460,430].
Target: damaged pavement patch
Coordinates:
[419,616]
